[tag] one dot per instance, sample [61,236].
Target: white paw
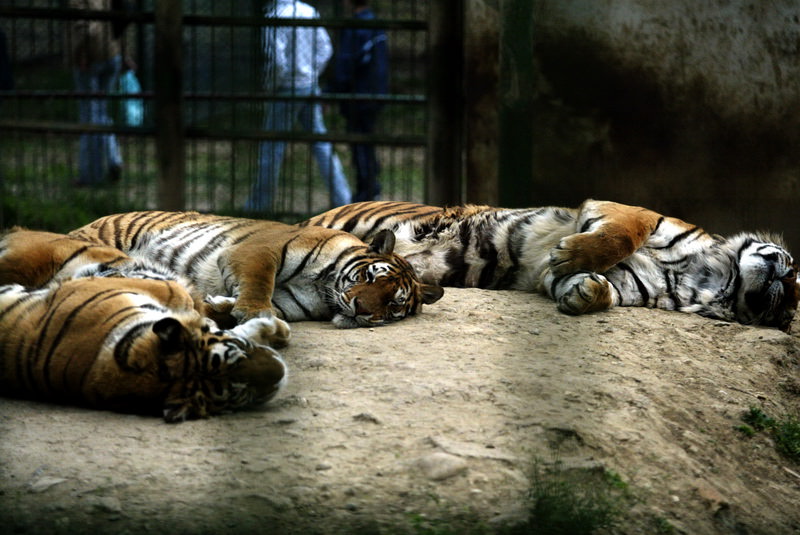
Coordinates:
[266,330]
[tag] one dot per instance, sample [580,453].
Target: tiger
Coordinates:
[35,258]
[265,268]
[132,345]
[591,258]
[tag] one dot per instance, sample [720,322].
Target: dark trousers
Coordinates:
[365,160]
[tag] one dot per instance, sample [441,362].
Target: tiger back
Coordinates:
[270,268]
[34,258]
[591,258]
[132,345]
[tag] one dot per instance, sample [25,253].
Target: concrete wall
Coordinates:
[689,107]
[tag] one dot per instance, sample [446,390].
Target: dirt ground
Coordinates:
[432,425]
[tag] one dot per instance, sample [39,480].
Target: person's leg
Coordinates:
[277,117]
[330,168]
[89,164]
[364,158]
[109,148]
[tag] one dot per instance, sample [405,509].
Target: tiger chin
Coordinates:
[600,255]
[132,345]
[263,268]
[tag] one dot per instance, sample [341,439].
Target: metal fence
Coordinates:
[209,161]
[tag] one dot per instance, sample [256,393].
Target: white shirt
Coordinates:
[296,55]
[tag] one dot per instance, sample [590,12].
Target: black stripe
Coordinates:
[356,218]
[65,328]
[488,253]
[358,253]
[301,266]
[396,219]
[589,222]
[153,219]
[639,284]
[35,348]
[126,343]
[515,242]
[306,312]
[680,237]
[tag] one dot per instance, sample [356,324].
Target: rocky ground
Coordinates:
[436,425]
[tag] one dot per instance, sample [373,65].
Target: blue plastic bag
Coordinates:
[132,108]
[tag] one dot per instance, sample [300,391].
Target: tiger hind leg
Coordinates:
[581,293]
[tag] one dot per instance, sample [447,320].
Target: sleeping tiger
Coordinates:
[588,259]
[132,345]
[265,267]
[35,258]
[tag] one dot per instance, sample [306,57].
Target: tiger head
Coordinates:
[378,288]
[214,371]
[769,289]
[754,281]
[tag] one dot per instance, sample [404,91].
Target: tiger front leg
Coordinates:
[608,233]
[581,293]
[269,331]
[250,278]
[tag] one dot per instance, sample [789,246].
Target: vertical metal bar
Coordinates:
[481,52]
[516,104]
[169,104]
[445,102]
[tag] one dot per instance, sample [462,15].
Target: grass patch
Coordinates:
[785,432]
[574,501]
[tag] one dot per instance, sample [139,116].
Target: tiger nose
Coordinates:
[361,310]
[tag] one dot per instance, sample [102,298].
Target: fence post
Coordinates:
[445,129]
[168,79]
[517,83]
[482,56]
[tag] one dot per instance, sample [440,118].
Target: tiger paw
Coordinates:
[265,330]
[572,254]
[584,292]
[596,251]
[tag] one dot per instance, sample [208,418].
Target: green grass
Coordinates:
[785,432]
[566,501]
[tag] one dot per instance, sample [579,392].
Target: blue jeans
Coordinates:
[98,152]
[280,116]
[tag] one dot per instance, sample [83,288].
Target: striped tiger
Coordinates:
[132,345]
[35,258]
[265,267]
[588,259]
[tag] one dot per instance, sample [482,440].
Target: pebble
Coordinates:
[323,466]
[106,504]
[44,483]
[438,466]
[366,417]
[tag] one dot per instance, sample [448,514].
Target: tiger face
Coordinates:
[768,290]
[379,290]
[228,372]
[132,345]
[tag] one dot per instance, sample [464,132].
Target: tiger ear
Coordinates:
[431,293]
[169,332]
[382,243]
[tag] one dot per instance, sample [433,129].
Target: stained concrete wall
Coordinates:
[690,107]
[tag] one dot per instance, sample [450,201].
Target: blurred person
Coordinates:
[295,58]
[97,59]
[362,66]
